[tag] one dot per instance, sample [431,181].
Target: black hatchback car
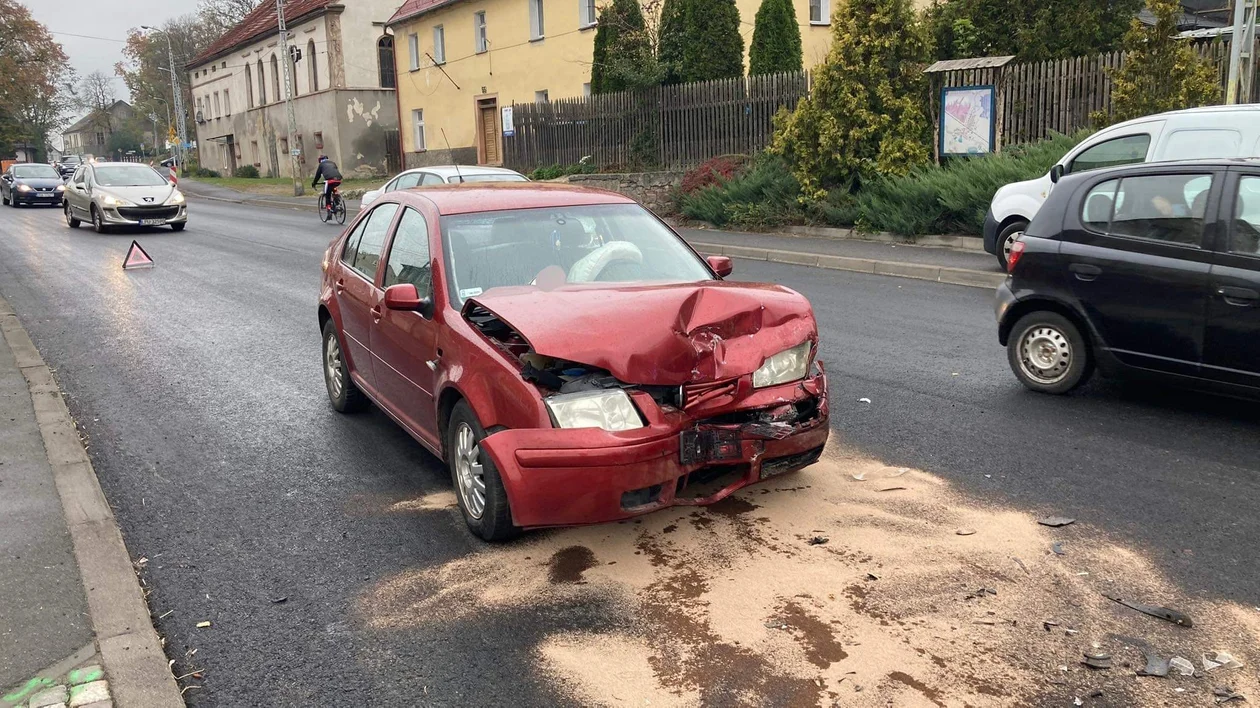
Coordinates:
[1150,268]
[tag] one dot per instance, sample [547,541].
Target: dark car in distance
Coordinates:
[67,165]
[31,183]
[1144,269]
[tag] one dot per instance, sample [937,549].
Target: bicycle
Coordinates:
[338,209]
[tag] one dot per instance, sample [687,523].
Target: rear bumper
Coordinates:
[990,232]
[558,477]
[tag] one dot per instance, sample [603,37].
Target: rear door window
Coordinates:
[1168,208]
[1110,153]
[408,181]
[1246,227]
[1202,144]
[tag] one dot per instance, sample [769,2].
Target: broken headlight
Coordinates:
[609,410]
[788,365]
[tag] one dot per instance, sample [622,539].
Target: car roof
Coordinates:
[498,196]
[103,163]
[448,171]
[1236,108]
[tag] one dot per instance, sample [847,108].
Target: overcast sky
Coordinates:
[106,19]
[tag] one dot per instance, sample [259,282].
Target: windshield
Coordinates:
[128,176]
[71,160]
[488,178]
[35,172]
[607,243]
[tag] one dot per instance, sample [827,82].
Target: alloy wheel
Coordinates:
[1045,354]
[469,471]
[332,366]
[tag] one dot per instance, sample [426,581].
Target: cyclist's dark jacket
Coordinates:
[327,170]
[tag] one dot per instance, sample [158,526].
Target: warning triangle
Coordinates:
[136,258]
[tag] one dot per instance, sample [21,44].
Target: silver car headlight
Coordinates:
[110,200]
[788,365]
[610,410]
[177,197]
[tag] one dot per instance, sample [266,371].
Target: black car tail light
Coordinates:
[1017,250]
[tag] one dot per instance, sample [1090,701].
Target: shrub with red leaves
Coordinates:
[714,171]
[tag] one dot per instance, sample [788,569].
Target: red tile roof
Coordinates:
[411,8]
[257,24]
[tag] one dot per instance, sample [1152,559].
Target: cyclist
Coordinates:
[332,179]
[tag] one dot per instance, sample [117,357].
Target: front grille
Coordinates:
[779,465]
[159,212]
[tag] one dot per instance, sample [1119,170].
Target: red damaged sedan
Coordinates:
[567,354]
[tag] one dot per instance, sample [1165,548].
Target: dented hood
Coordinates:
[658,334]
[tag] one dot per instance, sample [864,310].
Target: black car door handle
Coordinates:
[1238,297]
[1085,271]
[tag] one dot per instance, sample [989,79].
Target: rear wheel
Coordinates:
[339,210]
[5,199]
[70,220]
[1048,354]
[324,214]
[1006,240]
[478,488]
[344,396]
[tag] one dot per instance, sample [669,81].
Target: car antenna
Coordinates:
[449,151]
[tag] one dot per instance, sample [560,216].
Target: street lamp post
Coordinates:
[179,104]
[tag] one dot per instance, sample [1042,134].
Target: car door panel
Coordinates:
[1232,338]
[404,343]
[358,298]
[1141,275]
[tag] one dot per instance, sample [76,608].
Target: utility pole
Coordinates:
[1242,53]
[179,101]
[294,156]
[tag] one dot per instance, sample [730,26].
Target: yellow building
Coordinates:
[461,61]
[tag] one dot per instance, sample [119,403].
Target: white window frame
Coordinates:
[227,102]
[537,24]
[417,127]
[542,96]
[481,41]
[824,12]
[218,111]
[439,44]
[586,89]
[413,50]
[587,15]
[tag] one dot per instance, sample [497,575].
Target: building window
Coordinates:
[227,103]
[479,32]
[536,19]
[249,85]
[413,50]
[224,66]
[417,121]
[100,138]
[275,78]
[385,62]
[586,12]
[541,96]
[262,85]
[313,68]
[819,12]
[218,108]
[439,44]
[586,89]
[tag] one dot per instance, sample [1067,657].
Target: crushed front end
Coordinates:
[692,443]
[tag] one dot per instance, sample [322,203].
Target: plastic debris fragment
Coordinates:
[1155,666]
[1225,694]
[1057,547]
[1182,665]
[1097,660]
[1226,660]
[966,532]
[1164,613]
[864,400]
[202,625]
[1056,521]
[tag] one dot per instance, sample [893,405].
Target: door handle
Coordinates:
[376,313]
[340,287]
[1238,297]
[1085,271]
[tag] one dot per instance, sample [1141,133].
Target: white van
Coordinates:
[1192,134]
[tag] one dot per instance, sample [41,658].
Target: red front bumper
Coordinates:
[562,477]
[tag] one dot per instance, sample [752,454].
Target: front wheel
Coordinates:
[98,221]
[1048,354]
[71,221]
[179,226]
[1006,240]
[478,488]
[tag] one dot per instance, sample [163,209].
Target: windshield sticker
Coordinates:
[469,292]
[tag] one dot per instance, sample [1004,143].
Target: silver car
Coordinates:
[110,194]
[443,174]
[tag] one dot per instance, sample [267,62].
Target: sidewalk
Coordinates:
[192,187]
[74,627]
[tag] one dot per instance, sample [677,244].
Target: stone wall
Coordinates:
[653,190]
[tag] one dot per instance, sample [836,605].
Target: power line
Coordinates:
[88,36]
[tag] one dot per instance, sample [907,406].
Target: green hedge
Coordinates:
[246,171]
[764,194]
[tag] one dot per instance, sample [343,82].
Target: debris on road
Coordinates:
[1057,547]
[864,400]
[202,625]
[860,476]
[1155,666]
[1222,659]
[1049,624]
[1056,521]
[278,600]
[1097,660]
[1164,613]
[818,540]
[900,472]
[891,489]
[1225,694]
[965,532]
[1182,665]
[1021,565]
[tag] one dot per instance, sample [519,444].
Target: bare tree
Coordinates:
[96,95]
[222,15]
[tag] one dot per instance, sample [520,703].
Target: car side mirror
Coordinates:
[720,265]
[1056,173]
[404,296]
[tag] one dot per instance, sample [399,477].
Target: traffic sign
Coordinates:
[136,258]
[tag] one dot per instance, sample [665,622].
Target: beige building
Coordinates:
[461,61]
[344,81]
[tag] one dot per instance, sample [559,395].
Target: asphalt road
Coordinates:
[198,385]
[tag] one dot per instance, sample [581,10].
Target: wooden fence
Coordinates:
[666,127]
[673,127]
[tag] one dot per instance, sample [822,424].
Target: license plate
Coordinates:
[46,195]
[152,222]
[708,445]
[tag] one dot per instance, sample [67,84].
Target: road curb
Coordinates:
[899,269]
[130,649]
[268,203]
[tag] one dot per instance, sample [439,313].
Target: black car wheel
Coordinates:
[4,198]
[1006,239]
[179,226]
[1048,354]
[478,488]
[71,221]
